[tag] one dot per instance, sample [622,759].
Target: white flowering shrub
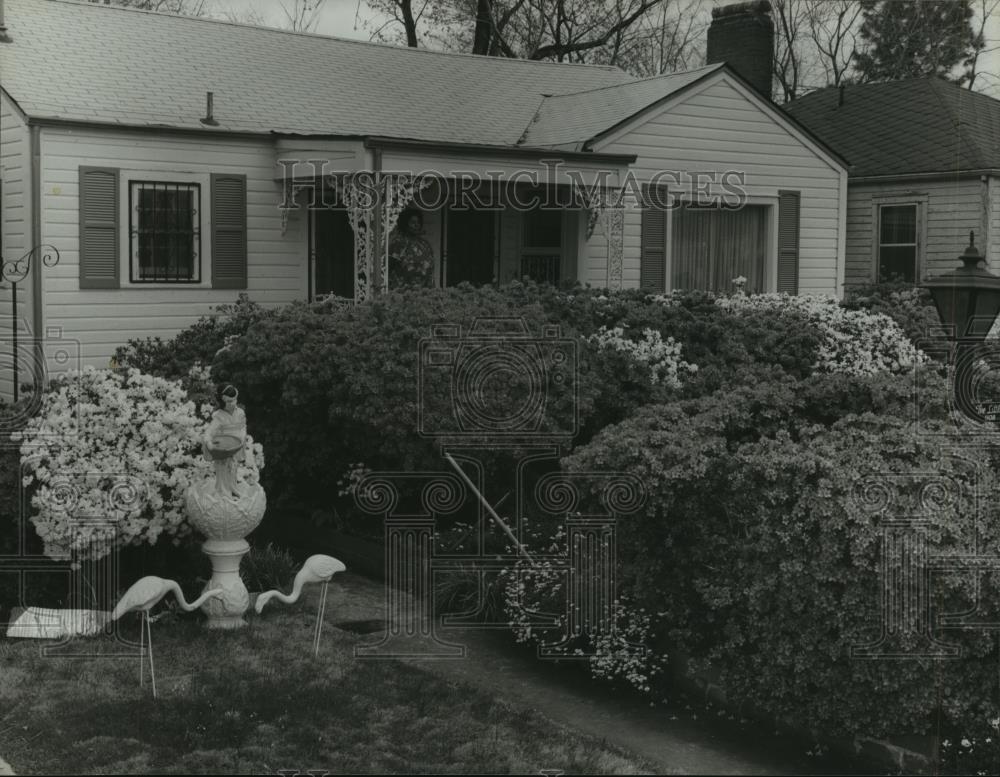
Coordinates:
[616,651]
[116,446]
[854,342]
[348,484]
[662,357]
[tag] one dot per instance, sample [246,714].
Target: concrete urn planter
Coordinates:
[225,521]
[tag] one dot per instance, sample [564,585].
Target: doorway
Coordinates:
[471,238]
[332,269]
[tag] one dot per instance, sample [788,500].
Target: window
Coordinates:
[897,243]
[712,246]
[164,232]
[541,252]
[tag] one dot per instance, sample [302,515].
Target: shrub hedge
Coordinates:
[326,386]
[761,560]
[752,552]
[198,344]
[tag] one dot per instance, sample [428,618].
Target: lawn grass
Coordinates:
[257,701]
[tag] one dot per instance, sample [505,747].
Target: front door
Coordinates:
[333,253]
[470,245]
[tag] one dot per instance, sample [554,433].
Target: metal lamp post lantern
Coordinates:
[967,301]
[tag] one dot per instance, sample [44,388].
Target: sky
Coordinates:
[355,19]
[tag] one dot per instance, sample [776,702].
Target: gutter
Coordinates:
[38,367]
[54,121]
[501,151]
[936,176]
[369,140]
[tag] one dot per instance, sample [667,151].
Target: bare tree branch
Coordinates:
[560,48]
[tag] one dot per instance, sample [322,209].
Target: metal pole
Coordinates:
[489,508]
[13,307]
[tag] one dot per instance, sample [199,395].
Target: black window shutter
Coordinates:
[99,235]
[788,242]
[653,251]
[229,231]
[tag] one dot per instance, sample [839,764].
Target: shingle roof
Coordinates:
[921,125]
[96,63]
[570,119]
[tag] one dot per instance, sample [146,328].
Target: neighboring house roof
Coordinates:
[899,128]
[95,63]
[573,119]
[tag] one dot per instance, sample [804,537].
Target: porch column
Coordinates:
[374,203]
[614,231]
[358,195]
[608,210]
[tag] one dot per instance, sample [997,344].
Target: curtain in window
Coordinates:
[897,251]
[710,247]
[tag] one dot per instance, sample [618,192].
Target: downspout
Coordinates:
[841,237]
[35,140]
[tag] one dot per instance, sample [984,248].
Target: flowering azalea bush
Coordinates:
[615,651]
[116,447]
[199,343]
[853,341]
[661,357]
[759,550]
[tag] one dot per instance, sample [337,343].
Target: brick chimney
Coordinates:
[742,35]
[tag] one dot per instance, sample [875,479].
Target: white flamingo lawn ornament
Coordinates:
[317,569]
[143,596]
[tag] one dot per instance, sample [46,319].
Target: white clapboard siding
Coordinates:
[15,226]
[721,128]
[953,207]
[993,232]
[103,319]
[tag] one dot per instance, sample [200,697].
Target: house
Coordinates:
[925,156]
[175,162]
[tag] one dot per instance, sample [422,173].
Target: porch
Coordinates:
[485,222]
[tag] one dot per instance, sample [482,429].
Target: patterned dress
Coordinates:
[411,260]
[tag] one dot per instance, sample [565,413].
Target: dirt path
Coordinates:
[675,743]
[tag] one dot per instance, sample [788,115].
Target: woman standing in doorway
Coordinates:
[411,258]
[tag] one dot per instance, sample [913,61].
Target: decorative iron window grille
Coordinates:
[164,231]
[541,269]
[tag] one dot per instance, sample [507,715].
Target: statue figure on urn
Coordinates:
[224,442]
[225,508]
